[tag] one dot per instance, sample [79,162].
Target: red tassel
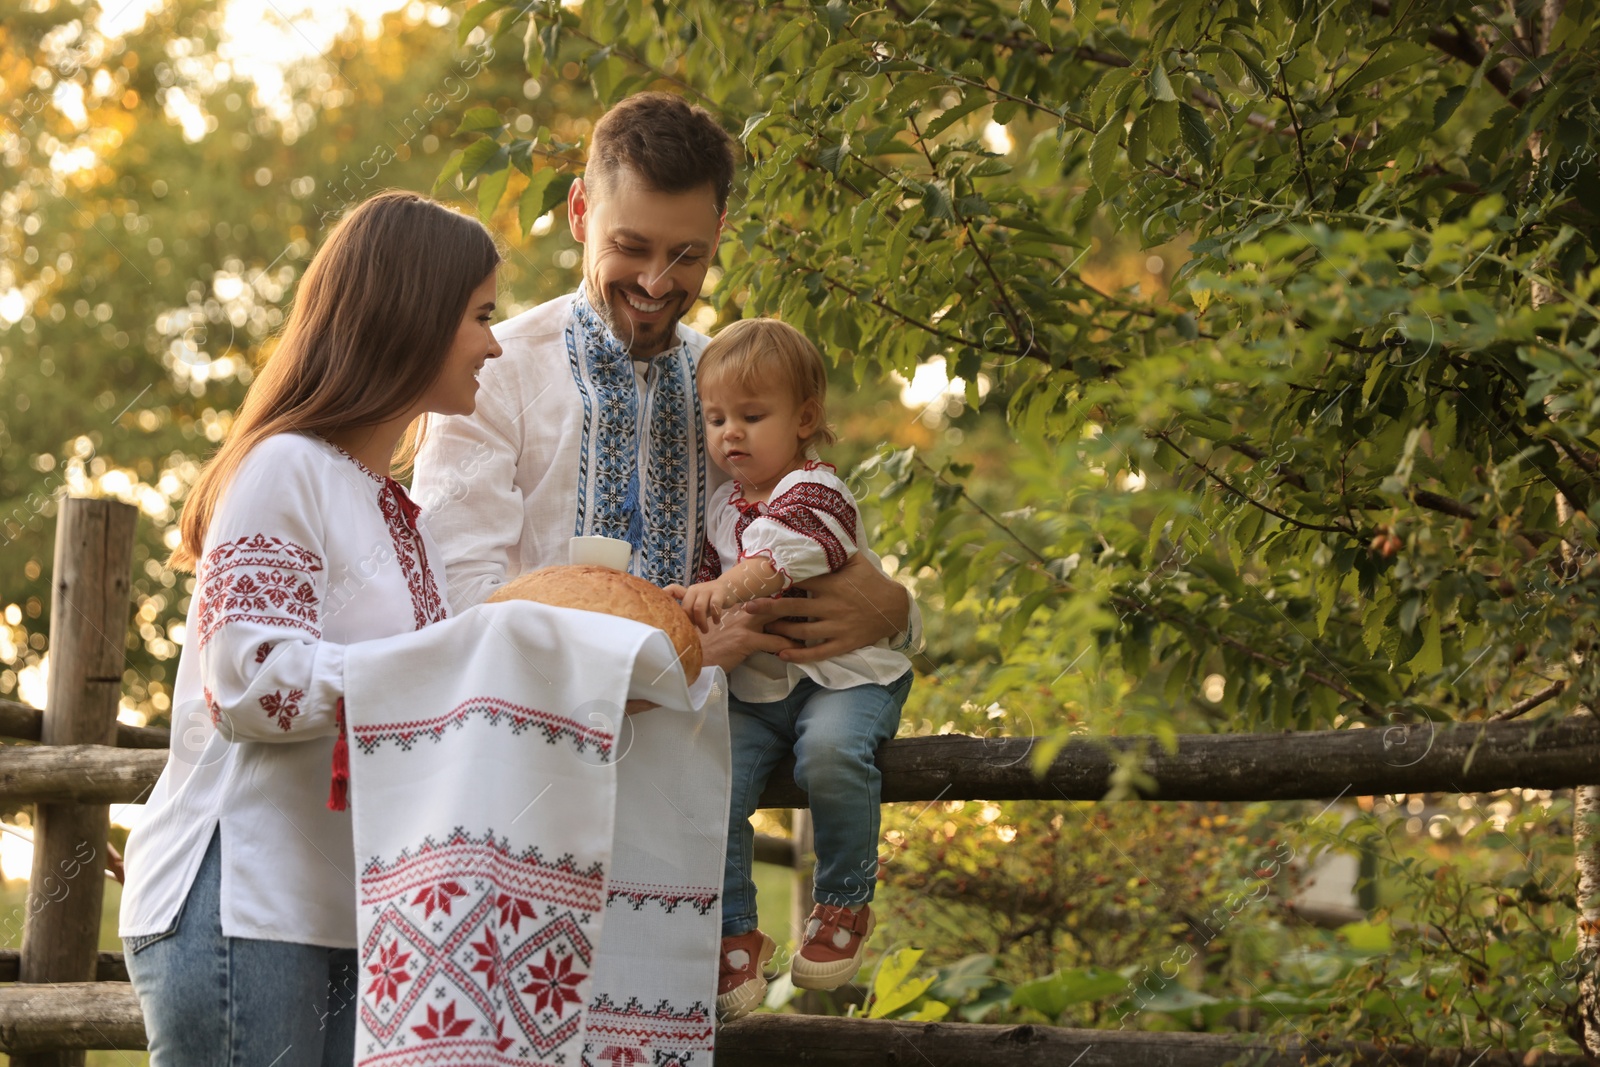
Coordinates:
[339,791]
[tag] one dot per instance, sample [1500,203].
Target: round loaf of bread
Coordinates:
[602,589]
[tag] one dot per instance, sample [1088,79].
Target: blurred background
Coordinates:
[167,168]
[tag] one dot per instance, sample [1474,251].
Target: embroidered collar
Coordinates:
[362,467]
[641,461]
[409,509]
[736,492]
[598,338]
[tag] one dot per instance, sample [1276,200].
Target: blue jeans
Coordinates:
[215,1001]
[833,734]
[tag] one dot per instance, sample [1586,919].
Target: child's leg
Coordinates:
[839,732]
[760,737]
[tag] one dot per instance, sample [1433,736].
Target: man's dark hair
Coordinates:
[669,144]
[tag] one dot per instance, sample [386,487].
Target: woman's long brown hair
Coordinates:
[375,315]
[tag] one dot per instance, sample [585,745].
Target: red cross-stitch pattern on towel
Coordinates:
[479,954]
[633,1034]
[260,579]
[498,713]
[637,894]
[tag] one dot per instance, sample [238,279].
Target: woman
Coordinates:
[239,912]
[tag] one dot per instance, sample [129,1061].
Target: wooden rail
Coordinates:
[1307,765]
[816,1041]
[110,967]
[102,1015]
[24,722]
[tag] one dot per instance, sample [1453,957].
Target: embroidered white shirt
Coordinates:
[549,451]
[507,487]
[308,552]
[808,526]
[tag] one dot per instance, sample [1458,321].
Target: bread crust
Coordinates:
[590,588]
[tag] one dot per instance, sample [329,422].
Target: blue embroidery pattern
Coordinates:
[664,518]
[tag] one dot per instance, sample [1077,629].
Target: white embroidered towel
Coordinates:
[539,875]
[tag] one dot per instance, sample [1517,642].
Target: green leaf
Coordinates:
[530,205]
[451,168]
[1196,134]
[1036,13]
[491,187]
[480,119]
[1431,659]
[1103,154]
[936,202]
[1163,124]
[555,194]
[1258,74]
[483,155]
[605,75]
[1055,993]
[1138,140]
[780,42]
[951,116]
[533,55]
[893,988]
[474,16]
[1177,1000]
[1400,55]
[1446,105]
[1157,84]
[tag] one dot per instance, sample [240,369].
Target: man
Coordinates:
[589,422]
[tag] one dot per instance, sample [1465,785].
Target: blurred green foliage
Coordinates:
[1275,329]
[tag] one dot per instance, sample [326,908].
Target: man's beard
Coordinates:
[626,331]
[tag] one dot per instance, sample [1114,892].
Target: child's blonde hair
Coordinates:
[762,355]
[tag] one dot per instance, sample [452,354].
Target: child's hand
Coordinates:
[704,602]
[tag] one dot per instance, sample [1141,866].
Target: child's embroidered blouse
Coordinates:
[808,526]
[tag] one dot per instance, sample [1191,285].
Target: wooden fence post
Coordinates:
[88,626]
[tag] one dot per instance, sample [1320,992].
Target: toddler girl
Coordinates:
[784,518]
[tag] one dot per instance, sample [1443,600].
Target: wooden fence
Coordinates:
[66,996]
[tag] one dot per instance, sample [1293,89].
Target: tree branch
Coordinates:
[1220,480]
[1528,703]
[1460,45]
[1012,314]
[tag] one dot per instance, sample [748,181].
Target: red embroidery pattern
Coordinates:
[497,712]
[263,651]
[796,508]
[212,706]
[400,514]
[478,955]
[638,894]
[260,579]
[710,563]
[281,707]
[631,1034]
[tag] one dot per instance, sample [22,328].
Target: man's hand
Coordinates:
[738,635]
[855,606]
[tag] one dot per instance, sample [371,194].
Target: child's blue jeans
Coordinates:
[833,734]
